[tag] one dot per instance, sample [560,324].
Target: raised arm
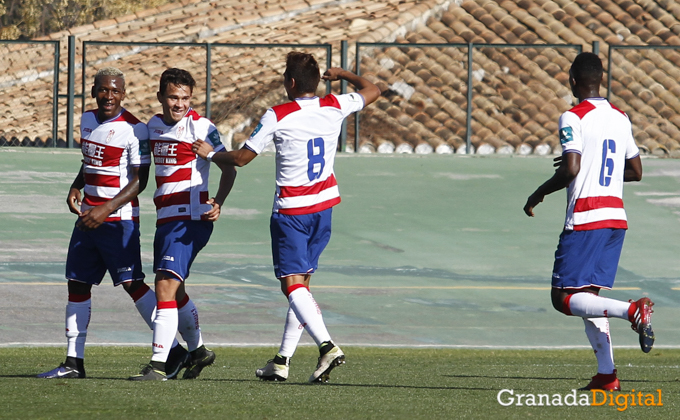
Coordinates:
[368,90]
[569,167]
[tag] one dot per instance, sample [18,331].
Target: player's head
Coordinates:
[174,94]
[109,92]
[585,73]
[302,74]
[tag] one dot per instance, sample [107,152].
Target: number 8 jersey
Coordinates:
[602,135]
[305,133]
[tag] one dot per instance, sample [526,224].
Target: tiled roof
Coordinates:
[519,93]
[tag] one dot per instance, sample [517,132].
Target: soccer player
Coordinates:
[305,132]
[185,216]
[599,155]
[114,171]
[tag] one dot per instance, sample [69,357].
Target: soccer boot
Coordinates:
[178,359]
[329,359]
[200,358]
[605,382]
[149,373]
[62,371]
[640,316]
[276,369]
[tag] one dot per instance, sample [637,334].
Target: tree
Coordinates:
[26,19]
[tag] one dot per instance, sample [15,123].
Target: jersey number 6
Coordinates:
[315,154]
[607,169]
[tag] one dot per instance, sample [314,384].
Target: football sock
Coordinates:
[597,330]
[292,332]
[308,313]
[589,305]
[75,363]
[78,310]
[189,327]
[164,330]
[145,302]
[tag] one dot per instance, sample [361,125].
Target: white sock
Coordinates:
[146,306]
[77,321]
[309,314]
[189,327]
[588,305]
[597,330]
[164,330]
[291,334]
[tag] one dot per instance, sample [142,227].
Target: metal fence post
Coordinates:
[70,87]
[609,71]
[596,47]
[55,96]
[208,76]
[468,121]
[343,90]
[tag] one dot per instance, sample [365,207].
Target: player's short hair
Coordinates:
[304,69]
[109,71]
[587,68]
[176,77]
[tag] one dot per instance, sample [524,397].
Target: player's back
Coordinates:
[602,134]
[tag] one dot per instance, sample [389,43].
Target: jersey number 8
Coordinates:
[315,154]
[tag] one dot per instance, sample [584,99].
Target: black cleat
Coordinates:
[198,362]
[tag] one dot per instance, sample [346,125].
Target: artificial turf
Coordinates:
[384,383]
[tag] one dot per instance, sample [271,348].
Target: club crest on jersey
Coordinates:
[566,135]
[110,136]
[180,131]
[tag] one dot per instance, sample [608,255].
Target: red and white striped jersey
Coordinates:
[109,149]
[181,178]
[305,133]
[602,135]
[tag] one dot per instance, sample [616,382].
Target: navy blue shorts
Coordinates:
[176,245]
[298,241]
[587,258]
[113,246]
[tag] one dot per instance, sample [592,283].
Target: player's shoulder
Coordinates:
[580,110]
[127,117]
[283,110]
[198,120]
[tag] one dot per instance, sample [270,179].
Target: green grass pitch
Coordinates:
[376,383]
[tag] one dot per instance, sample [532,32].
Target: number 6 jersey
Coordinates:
[305,133]
[602,135]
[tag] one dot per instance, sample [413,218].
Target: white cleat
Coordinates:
[334,357]
[276,369]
